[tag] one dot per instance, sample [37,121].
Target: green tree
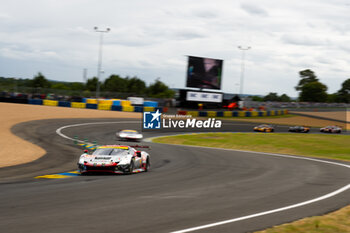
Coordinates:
[333,98]
[136,85]
[59,86]
[284,98]
[344,93]
[313,92]
[115,84]
[91,84]
[272,96]
[307,76]
[257,98]
[40,81]
[76,86]
[159,90]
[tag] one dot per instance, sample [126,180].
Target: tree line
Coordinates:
[312,90]
[113,84]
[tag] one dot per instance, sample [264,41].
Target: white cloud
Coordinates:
[151,38]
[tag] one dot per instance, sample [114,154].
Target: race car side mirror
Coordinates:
[138,154]
[86,151]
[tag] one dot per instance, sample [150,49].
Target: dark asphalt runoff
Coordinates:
[186,186]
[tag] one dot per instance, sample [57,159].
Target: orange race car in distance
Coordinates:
[264,128]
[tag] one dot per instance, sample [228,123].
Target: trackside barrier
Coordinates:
[35,101]
[64,104]
[78,105]
[211,114]
[233,113]
[254,114]
[90,104]
[192,113]
[116,108]
[148,109]
[138,109]
[126,103]
[50,102]
[150,104]
[105,102]
[128,108]
[104,106]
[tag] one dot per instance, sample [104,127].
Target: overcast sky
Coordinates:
[150,39]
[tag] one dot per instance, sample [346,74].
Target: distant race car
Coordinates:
[299,129]
[264,128]
[129,135]
[117,159]
[331,129]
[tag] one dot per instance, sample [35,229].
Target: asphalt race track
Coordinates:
[186,187]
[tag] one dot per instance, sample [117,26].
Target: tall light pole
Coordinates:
[99,64]
[244,49]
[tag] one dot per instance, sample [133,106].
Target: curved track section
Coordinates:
[186,187]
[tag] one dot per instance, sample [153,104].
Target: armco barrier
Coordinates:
[233,113]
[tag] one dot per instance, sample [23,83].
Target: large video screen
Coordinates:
[204,72]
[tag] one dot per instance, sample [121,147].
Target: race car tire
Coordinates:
[131,167]
[148,164]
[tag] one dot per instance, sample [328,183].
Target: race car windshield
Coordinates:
[103,151]
[118,152]
[109,151]
[130,132]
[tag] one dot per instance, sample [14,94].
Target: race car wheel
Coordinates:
[131,167]
[148,165]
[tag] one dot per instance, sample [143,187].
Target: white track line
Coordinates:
[58,131]
[266,212]
[329,195]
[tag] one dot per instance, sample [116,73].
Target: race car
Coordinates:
[129,135]
[117,159]
[331,129]
[264,128]
[299,129]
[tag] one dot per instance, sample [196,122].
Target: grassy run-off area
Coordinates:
[312,145]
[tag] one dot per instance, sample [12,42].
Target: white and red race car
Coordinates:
[119,159]
[331,129]
[129,135]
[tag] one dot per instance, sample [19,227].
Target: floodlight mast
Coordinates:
[244,49]
[99,63]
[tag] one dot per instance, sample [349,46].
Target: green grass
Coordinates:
[314,145]
[336,222]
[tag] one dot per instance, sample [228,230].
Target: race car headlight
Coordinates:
[139,136]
